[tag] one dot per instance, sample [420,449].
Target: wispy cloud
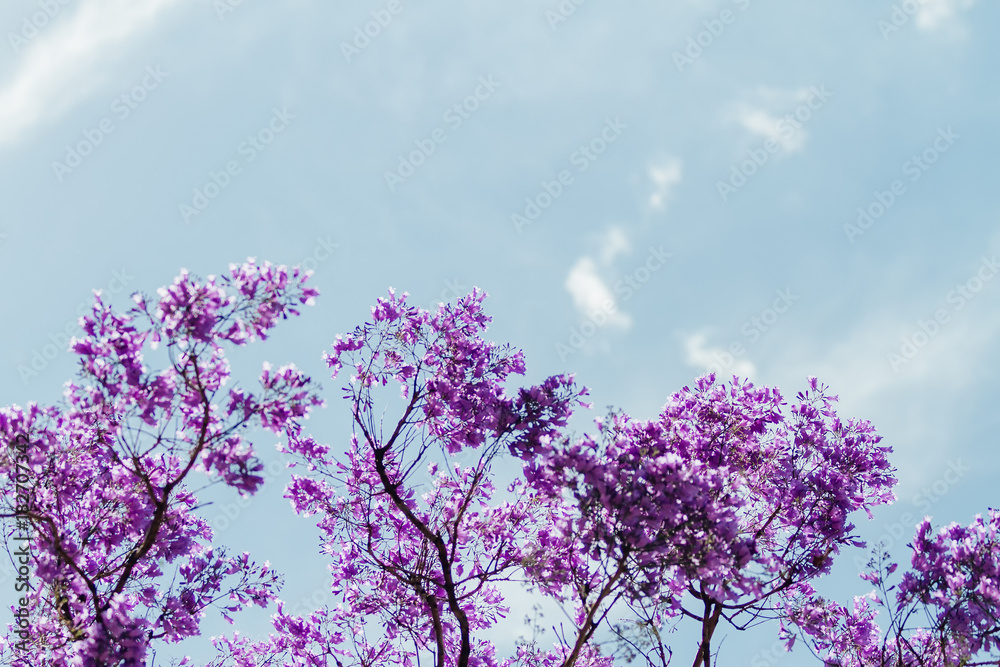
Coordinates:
[769,114]
[917,406]
[70,60]
[715,359]
[664,174]
[935,14]
[614,242]
[585,284]
[591,294]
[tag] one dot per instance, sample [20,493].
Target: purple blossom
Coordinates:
[723,509]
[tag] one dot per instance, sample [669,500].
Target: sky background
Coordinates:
[809,185]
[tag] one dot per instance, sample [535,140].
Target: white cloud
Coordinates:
[715,358]
[935,14]
[768,126]
[918,406]
[613,243]
[591,295]
[69,60]
[769,116]
[665,174]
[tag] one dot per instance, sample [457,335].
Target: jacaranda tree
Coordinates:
[120,559]
[454,486]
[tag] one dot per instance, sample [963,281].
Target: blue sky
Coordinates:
[642,188]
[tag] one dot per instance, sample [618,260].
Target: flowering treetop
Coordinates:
[121,556]
[723,501]
[723,509]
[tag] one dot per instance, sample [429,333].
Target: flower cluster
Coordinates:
[417,538]
[724,508]
[945,609]
[121,557]
[722,502]
[725,498]
[956,575]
